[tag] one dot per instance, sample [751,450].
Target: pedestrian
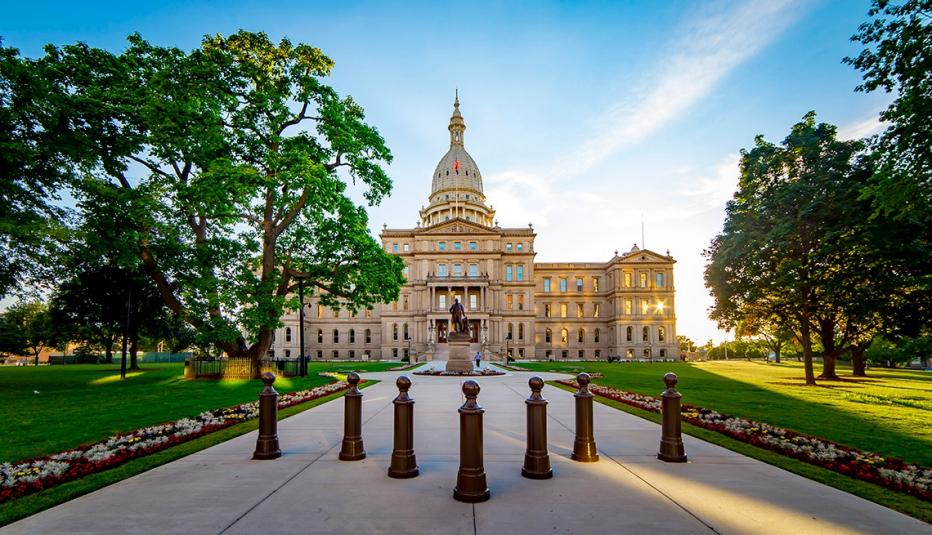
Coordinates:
[478,359]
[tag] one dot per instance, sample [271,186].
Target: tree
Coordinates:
[246,157]
[686,345]
[898,58]
[31,320]
[772,331]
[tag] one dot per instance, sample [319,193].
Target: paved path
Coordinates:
[220,490]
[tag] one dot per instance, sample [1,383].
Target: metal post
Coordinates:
[302,364]
[584,446]
[352,449]
[404,464]
[536,457]
[671,441]
[471,485]
[267,443]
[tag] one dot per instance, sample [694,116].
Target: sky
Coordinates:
[586,119]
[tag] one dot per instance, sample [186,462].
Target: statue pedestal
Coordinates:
[459,360]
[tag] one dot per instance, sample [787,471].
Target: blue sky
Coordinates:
[584,117]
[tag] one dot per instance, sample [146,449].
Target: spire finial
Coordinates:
[456,100]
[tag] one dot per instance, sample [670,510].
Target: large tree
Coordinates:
[228,168]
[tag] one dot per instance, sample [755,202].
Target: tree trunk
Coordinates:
[109,351]
[776,355]
[829,359]
[806,340]
[133,345]
[858,366]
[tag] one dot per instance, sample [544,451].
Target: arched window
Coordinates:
[352,336]
[661,334]
[287,334]
[520,331]
[511,331]
[581,336]
[564,336]
[406,331]
[548,336]
[320,336]
[595,335]
[645,334]
[368,336]
[395,331]
[336,336]
[630,334]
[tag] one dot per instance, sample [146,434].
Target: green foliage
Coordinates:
[224,170]
[897,58]
[26,328]
[890,353]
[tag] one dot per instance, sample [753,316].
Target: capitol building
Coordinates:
[623,307]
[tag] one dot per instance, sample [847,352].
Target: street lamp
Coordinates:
[302,362]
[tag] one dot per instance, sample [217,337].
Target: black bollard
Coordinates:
[267,443]
[584,447]
[352,449]
[404,464]
[671,441]
[536,458]
[471,485]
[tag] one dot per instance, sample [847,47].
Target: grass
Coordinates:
[886,413]
[40,501]
[894,500]
[83,404]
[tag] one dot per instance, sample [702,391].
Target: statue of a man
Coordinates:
[460,323]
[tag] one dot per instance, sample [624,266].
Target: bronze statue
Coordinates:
[460,322]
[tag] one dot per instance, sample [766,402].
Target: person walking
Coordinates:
[478,359]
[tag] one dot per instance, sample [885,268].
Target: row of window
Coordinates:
[581,354]
[458,246]
[580,310]
[335,312]
[565,336]
[581,335]
[628,277]
[564,284]
[457,270]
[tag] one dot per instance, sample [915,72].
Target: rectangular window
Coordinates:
[336,354]
[441,270]
[627,279]
[643,279]
[520,269]
[595,284]
[520,352]
[565,354]
[548,310]
[661,334]
[394,305]
[395,353]
[368,313]
[352,354]
[644,306]
[598,354]
[549,354]
[287,353]
[582,354]
[394,247]
[404,302]
[457,270]
[407,247]
[660,280]
[579,285]
[473,302]
[510,302]
[508,247]
[562,310]
[563,285]
[547,286]
[441,246]
[579,310]
[457,246]
[405,272]
[320,311]
[509,272]
[473,246]
[645,334]
[629,307]
[521,302]
[520,247]
[443,301]
[473,270]
[596,310]
[320,355]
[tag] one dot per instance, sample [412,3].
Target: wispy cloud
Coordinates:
[863,128]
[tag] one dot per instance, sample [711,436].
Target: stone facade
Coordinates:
[623,307]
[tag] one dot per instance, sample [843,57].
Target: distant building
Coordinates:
[567,310]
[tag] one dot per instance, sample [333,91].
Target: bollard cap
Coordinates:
[670,379]
[583,380]
[403,383]
[352,378]
[470,388]
[536,384]
[268,378]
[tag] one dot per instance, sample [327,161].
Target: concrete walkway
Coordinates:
[220,490]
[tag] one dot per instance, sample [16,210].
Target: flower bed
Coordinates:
[889,472]
[33,475]
[444,373]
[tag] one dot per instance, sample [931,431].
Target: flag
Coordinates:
[456,166]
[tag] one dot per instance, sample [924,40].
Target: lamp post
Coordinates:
[302,363]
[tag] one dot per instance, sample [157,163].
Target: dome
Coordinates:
[457,170]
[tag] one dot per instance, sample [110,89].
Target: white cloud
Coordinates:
[862,128]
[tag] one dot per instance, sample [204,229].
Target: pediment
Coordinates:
[644,256]
[457,226]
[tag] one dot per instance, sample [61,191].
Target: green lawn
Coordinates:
[86,403]
[888,412]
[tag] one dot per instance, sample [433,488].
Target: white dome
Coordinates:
[457,170]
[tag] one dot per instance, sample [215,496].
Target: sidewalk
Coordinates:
[307,490]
